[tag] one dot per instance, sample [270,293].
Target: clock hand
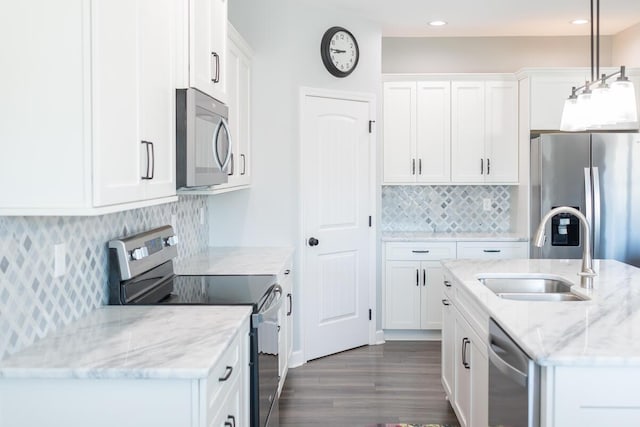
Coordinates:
[338,50]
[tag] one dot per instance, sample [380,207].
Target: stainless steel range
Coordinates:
[141,272]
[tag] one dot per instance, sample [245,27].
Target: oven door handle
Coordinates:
[269,310]
[509,371]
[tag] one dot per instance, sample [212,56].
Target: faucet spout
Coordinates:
[588,273]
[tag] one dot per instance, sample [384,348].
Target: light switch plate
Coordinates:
[59,260]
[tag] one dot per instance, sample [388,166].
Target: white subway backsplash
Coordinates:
[446,208]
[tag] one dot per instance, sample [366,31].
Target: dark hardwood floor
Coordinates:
[396,382]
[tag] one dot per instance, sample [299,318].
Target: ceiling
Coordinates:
[467,18]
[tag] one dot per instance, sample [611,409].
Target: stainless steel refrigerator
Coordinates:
[597,173]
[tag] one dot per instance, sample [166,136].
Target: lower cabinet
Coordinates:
[412,284]
[285,321]
[465,368]
[220,400]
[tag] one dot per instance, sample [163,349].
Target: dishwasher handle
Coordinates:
[505,368]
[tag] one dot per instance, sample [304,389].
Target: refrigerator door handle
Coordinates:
[588,197]
[596,213]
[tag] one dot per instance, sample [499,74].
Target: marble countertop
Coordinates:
[182,342]
[406,236]
[236,260]
[604,331]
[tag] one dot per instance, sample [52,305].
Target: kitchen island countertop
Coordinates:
[141,342]
[604,331]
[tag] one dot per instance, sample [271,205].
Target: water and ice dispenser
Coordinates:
[565,230]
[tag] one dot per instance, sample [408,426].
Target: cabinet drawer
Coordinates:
[224,374]
[492,250]
[228,408]
[427,251]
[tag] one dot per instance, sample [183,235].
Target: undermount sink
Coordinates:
[525,288]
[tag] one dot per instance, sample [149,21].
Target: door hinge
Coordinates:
[369,314]
[371,122]
[369,220]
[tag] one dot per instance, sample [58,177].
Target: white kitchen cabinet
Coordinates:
[417,132]
[465,368]
[412,290]
[96,130]
[207,46]
[238,66]
[163,402]
[492,250]
[285,320]
[484,132]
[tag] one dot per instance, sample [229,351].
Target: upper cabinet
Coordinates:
[417,132]
[95,132]
[207,47]
[451,131]
[484,132]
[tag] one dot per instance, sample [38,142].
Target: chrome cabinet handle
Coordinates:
[488,166]
[492,251]
[447,283]
[244,164]
[445,302]
[231,421]
[420,251]
[216,57]
[417,277]
[465,342]
[233,169]
[424,277]
[481,166]
[227,374]
[151,163]
[419,166]
[290,304]
[413,166]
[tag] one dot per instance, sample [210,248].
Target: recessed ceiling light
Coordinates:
[580,21]
[437,23]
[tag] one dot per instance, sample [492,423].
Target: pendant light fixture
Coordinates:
[600,105]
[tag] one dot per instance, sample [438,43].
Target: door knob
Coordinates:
[313,241]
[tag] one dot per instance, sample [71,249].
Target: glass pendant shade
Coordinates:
[603,110]
[570,116]
[585,111]
[624,102]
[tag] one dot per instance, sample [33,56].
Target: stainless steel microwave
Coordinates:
[203,141]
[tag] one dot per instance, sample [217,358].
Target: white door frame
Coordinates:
[370,98]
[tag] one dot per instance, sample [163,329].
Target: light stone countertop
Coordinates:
[236,260]
[409,236]
[133,342]
[604,331]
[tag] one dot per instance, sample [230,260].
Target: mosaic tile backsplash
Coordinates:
[33,302]
[446,208]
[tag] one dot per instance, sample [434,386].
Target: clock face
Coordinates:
[340,52]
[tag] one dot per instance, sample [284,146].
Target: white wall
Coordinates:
[487,54]
[626,47]
[285,37]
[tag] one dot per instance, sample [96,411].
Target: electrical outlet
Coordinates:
[486,204]
[201,216]
[59,260]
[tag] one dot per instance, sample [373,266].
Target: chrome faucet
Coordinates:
[588,273]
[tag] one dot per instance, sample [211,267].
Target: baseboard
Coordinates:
[412,335]
[379,339]
[296,359]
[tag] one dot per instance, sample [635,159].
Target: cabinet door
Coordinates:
[431,296]
[448,347]
[402,295]
[399,132]
[462,370]
[467,132]
[479,416]
[433,140]
[118,153]
[207,46]
[501,132]
[157,93]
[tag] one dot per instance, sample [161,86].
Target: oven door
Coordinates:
[265,324]
[203,140]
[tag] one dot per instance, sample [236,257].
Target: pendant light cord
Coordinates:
[598,39]
[592,65]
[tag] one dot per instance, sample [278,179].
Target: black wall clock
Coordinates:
[339,51]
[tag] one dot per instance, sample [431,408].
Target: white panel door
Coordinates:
[402,295]
[431,311]
[336,187]
[399,132]
[467,132]
[501,131]
[433,139]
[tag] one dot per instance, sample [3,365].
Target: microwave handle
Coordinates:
[223,123]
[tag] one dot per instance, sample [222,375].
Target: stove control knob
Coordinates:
[172,241]
[139,253]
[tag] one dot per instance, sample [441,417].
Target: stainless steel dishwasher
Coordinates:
[514,382]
